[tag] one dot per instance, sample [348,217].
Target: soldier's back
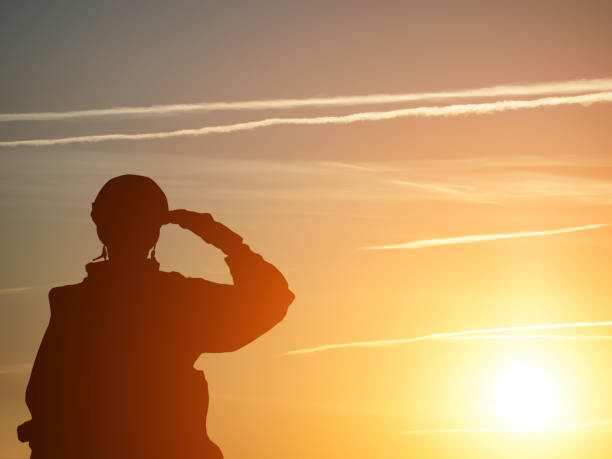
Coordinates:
[112,377]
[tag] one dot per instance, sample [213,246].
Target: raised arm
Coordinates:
[232,316]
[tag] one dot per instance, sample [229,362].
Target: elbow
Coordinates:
[270,304]
[266,313]
[270,309]
[281,303]
[287,298]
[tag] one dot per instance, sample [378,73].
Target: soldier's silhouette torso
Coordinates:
[114,374]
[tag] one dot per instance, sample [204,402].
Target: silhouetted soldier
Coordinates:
[114,374]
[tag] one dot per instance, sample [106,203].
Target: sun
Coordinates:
[528,397]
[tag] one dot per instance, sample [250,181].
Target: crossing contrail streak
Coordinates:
[483,238]
[445,335]
[448,110]
[559,88]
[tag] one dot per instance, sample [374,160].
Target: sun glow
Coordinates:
[529,397]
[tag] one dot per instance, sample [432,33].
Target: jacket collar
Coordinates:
[109,269]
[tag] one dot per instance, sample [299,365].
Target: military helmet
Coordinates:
[130,199]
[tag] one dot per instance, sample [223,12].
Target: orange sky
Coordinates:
[310,198]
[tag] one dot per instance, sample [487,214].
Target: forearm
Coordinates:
[234,315]
[249,270]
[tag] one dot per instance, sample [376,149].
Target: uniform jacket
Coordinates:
[114,374]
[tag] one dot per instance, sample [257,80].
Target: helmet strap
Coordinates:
[153,254]
[104,254]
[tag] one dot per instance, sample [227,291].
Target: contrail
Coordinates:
[392,342]
[483,238]
[562,87]
[448,110]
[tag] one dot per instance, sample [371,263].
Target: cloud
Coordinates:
[561,87]
[483,238]
[15,368]
[429,111]
[427,186]
[505,180]
[531,336]
[394,342]
[452,192]
[597,425]
[484,180]
[8,291]
[454,430]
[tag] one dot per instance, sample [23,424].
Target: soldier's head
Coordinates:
[129,212]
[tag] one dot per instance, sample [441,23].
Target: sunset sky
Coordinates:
[417,170]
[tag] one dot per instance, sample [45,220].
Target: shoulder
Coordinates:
[64,294]
[61,298]
[171,276]
[178,280]
[62,291]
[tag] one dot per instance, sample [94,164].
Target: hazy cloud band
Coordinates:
[483,238]
[562,87]
[449,110]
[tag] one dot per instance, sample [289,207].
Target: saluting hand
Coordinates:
[205,226]
[187,218]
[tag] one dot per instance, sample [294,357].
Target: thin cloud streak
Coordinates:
[483,238]
[8,291]
[430,111]
[427,186]
[445,335]
[531,336]
[456,430]
[562,87]
[451,193]
[15,368]
[598,425]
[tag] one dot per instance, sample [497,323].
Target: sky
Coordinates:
[448,243]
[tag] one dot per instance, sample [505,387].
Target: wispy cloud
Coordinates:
[454,430]
[429,111]
[8,291]
[353,166]
[483,238]
[560,87]
[503,181]
[393,342]
[15,368]
[486,180]
[427,186]
[502,337]
[451,192]
[598,425]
